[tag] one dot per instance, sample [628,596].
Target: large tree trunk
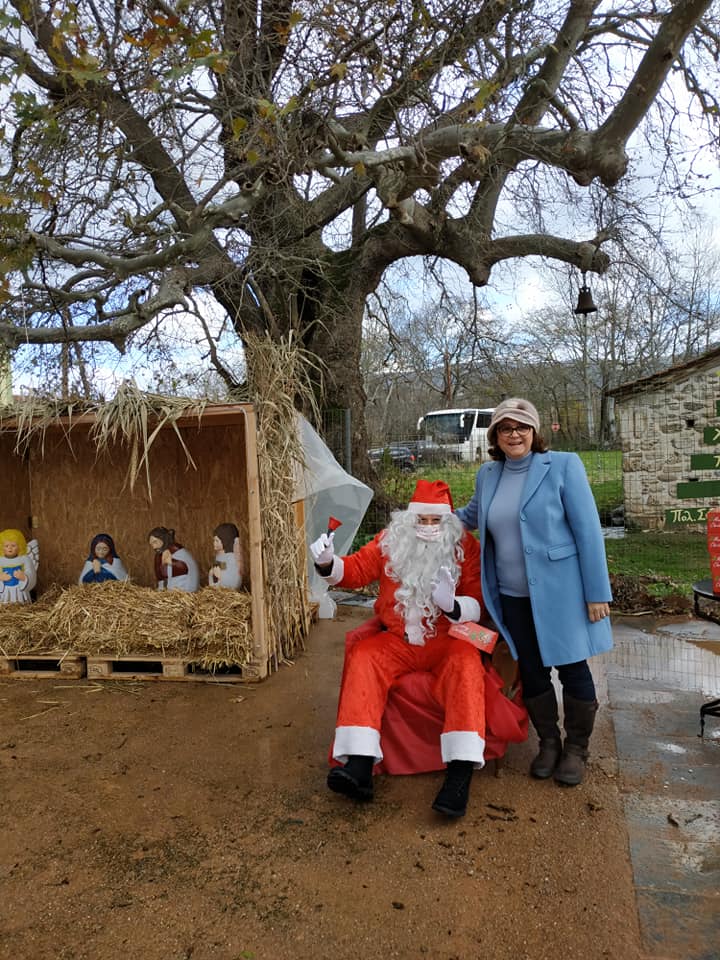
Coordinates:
[321,304]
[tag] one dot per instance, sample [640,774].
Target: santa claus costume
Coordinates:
[428,570]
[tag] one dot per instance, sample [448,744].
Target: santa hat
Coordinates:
[431,497]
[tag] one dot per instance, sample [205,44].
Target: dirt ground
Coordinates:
[169,821]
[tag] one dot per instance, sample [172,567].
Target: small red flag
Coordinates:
[333,524]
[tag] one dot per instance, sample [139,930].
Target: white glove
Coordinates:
[322,551]
[443,592]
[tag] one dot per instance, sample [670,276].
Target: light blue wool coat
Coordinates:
[564,555]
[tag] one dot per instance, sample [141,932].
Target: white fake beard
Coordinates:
[415,564]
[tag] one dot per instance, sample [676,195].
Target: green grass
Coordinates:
[677,556]
[604,470]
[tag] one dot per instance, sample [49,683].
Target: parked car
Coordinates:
[428,453]
[401,458]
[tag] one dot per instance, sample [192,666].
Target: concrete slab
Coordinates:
[670,778]
[677,926]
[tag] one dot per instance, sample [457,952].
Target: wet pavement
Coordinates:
[657,677]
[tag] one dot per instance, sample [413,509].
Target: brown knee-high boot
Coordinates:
[543,711]
[579,722]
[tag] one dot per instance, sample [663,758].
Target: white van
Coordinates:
[456,434]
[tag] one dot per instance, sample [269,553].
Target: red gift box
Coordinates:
[481,637]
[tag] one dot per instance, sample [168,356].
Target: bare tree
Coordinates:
[278,157]
[658,308]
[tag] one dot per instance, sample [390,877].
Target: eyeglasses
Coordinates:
[522,430]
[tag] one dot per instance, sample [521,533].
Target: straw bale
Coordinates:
[212,627]
[24,626]
[220,628]
[122,619]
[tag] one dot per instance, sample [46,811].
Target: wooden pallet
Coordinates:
[162,668]
[43,666]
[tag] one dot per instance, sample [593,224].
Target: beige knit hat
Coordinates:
[515,408]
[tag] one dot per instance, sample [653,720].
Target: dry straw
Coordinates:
[134,419]
[211,627]
[280,375]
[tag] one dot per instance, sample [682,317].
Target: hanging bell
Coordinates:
[585,303]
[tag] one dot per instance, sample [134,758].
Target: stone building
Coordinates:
[669,428]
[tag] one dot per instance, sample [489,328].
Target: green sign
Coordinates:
[705,461]
[686,515]
[698,488]
[711,435]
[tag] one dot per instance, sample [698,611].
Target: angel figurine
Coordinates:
[175,567]
[102,563]
[18,567]
[229,567]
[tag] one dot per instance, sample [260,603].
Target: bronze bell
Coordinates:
[585,303]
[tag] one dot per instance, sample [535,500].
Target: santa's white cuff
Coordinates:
[463,745]
[356,742]
[469,609]
[337,572]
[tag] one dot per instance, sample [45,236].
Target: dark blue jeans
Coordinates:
[575,678]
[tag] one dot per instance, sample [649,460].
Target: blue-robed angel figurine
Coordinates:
[102,563]
[18,567]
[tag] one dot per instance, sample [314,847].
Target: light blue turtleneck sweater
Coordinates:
[504,526]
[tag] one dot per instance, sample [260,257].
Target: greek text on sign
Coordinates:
[711,435]
[686,515]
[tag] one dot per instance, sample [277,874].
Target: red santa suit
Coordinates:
[412,640]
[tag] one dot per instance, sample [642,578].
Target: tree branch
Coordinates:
[652,72]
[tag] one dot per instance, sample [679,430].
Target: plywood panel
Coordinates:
[77,493]
[15,509]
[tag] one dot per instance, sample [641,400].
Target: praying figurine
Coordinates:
[102,563]
[229,567]
[175,567]
[18,567]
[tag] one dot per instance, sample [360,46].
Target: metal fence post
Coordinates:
[348,440]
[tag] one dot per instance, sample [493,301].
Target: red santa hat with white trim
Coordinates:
[431,498]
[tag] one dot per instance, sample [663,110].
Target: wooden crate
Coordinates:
[43,666]
[96,497]
[163,668]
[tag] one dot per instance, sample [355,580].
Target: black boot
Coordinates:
[354,779]
[579,722]
[543,711]
[453,796]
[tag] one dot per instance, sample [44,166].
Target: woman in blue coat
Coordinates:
[544,579]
